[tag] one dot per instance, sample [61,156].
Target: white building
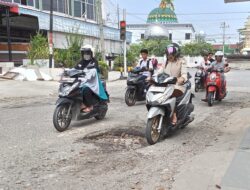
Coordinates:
[162,22]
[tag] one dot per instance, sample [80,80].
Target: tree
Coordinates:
[155,47]
[70,56]
[195,49]
[39,48]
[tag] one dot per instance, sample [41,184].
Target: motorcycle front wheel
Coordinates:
[152,133]
[61,119]
[210,99]
[130,97]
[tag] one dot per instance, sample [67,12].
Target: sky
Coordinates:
[234,14]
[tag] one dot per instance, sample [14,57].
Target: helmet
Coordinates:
[219,53]
[88,48]
[144,51]
[87,52]
[173,49]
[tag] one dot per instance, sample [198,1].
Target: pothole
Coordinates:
[117,139]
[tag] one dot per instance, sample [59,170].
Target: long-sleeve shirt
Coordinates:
[175,69]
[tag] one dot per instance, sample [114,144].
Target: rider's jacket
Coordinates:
[87,64]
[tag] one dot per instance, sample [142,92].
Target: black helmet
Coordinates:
[144,51]
[173,49]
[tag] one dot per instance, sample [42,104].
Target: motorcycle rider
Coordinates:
[91,81]
[219,65]
[175,68]
[145,63]
[205,63]
[210,57]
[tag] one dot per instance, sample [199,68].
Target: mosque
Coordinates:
[163,22]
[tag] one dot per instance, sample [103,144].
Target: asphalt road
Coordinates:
[108,154]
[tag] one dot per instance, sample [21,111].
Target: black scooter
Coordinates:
[68,106]
[136,87]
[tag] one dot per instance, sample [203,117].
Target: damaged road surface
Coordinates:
[107,154]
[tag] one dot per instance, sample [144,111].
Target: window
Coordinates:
[46,5]
[187,36]
[84,8]
[37,5]
[77,9]
[17,1]
[90,12]
[61,6]
[10,1]
[30,3]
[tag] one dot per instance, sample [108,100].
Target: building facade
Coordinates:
[163,22]
[245,32]
[70,17]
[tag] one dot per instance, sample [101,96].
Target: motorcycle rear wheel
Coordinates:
[210,99]
[152,134]
[60,120]
[130,97]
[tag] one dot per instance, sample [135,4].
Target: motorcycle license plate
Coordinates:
[157,89]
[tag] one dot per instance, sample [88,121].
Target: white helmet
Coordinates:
[88,48]
[219,53]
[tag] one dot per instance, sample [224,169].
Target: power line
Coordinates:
[186,14]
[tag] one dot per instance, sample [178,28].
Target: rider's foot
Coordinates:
[204,100]
[88,109]
[83,106]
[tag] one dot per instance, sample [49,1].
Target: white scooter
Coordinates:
[161,106]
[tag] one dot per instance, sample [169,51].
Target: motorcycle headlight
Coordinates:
[213,77]
[67,89]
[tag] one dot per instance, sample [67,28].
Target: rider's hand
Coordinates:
[148,79]
[227,69]
[180,80]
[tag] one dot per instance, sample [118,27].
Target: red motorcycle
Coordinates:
[214,86]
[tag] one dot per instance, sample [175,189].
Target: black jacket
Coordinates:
[88,64]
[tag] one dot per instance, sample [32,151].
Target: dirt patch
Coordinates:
[117,139]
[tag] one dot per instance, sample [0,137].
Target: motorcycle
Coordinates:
[68,105]
[161,107]
[199,79]
[136,87]
[214,86]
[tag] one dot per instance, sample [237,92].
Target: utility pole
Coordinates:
[224,26]
[8,32]
[51,35]
[118,16]
[100,23]
[125,47]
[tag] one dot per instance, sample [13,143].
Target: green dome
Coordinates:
[162,15]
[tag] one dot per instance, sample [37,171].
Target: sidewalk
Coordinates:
[225,164]
[238,174]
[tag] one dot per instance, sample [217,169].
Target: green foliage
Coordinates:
[98,56]
[119,63]
[195,49]
[104,68]
[39,48]
[155,47]
[69,57]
